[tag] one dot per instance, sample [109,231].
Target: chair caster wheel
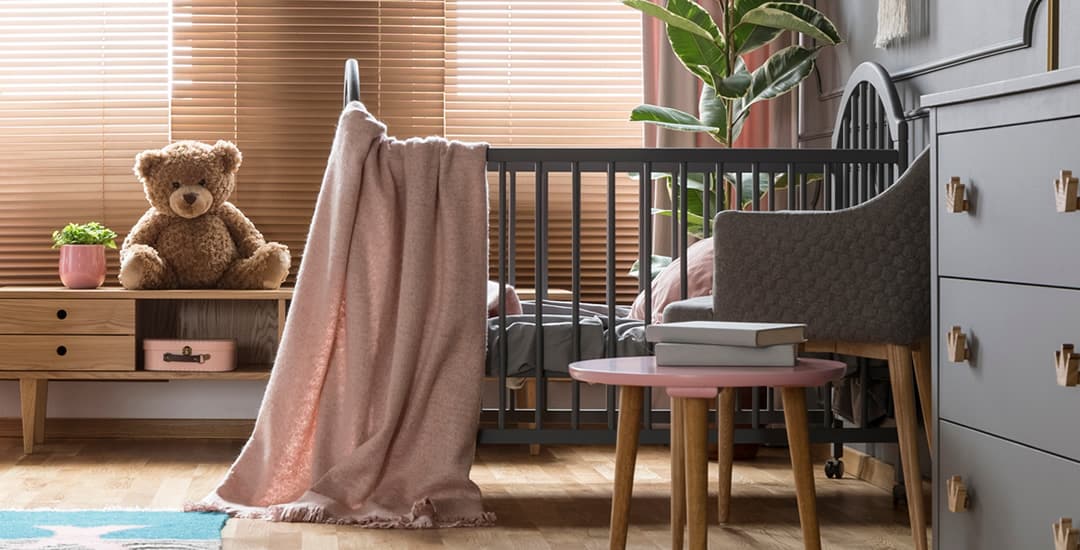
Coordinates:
[834,468]
[899,496]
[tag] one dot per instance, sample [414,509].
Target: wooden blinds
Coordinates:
[549,73]
[267,75]
[84,86]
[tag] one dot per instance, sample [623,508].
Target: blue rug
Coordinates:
[109,530]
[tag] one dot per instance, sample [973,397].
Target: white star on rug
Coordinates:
[88,538]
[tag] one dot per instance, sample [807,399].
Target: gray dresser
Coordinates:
[1006,270]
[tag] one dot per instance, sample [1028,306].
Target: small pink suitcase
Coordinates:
[190,355]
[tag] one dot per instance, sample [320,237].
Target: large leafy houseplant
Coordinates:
[714,53]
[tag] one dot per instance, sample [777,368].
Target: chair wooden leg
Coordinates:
[802,468]
[921,358]
[725,438]
[32,396]
[678,475]
[903,390]
[696,427]
[626,446]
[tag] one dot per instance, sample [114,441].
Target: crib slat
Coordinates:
[678,189]
[503,350]
[513,228]
[755,180]
[539,276]
[791,187]
[575,286]
[610,280]
[645,273]
[683,231]
[772,191]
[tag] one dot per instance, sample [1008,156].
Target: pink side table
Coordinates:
[691,390]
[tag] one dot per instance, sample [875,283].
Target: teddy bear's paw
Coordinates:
[140,268]
[275,266]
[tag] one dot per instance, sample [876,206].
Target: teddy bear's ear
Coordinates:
[228,155]
[148,161]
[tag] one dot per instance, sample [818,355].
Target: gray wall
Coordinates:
[953,44]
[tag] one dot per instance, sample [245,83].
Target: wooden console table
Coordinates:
[53,333]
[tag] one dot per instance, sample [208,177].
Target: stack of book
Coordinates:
[721,344]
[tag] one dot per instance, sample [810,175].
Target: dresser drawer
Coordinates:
[1009,384]
[1015,493]
[70,353]
[67,316]
[1012,231]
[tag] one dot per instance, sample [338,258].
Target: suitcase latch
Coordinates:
[185,356]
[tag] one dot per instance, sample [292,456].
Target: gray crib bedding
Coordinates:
[558,337]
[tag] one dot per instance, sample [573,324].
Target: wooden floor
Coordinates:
[558,500]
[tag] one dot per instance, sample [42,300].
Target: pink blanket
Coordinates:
[371,412]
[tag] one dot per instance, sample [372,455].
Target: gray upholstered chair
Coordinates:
[858,277]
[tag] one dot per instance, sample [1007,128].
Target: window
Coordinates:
[84,86]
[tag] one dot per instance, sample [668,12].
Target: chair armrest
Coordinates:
[693,309]
[860,274]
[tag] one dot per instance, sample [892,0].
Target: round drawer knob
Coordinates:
[61,314]
[957,493]
[61,350]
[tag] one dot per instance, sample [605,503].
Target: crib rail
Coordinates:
[751,179]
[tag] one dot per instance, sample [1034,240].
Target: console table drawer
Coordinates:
[67,353]
[1015,493]
[1012,230]
[67,316]
[1009,386]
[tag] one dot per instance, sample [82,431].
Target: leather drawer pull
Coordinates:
[958,495]
[954,196]
[1065,192]
[1067,365]
[958,348]
[1066,537]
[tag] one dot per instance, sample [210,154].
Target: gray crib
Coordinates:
[870,150]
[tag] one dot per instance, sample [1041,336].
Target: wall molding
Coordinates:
[1024,41]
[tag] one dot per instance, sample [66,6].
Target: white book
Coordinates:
[727,333]
[706,355]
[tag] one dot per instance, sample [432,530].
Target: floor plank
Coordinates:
[558,500]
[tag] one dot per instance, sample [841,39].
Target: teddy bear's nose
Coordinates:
[190,198]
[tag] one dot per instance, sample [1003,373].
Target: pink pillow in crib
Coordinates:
[666,287]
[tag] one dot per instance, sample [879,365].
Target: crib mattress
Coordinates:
[557,328]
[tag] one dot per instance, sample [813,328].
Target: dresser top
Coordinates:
[1005,87]
[117,293]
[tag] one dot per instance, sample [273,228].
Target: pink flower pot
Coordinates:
[82,265]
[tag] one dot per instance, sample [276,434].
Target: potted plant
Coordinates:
[713,53]
[82,253]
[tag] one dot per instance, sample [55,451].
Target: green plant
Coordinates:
[86,233]
[713,53]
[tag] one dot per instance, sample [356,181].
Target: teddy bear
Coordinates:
[192,237]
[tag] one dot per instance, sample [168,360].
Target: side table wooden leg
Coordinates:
[626,446]
[801,466]
[678,474]
[725,439]
[696,426]
[32,395]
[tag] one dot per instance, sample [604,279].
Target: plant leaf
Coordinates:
[793,16]
[777,76]
[659,12]
[740,7]
[747,37]
[670,118]
[713,110]
[735,85]
[705,57]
